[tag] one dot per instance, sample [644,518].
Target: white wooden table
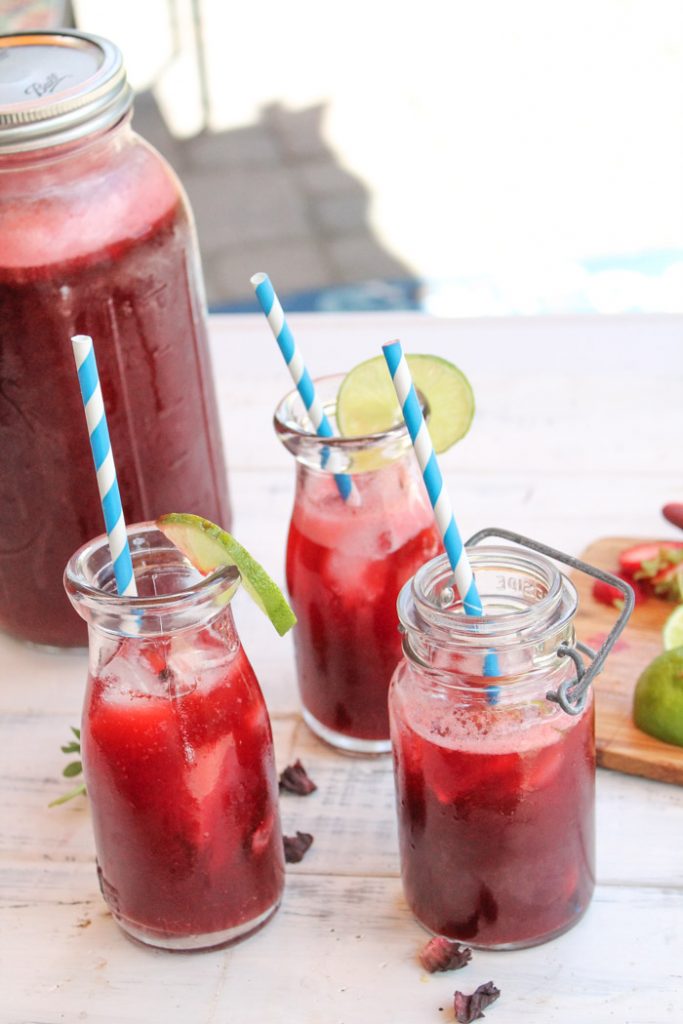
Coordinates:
[577,435]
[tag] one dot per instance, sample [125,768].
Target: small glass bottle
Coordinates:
[97,238]
[177,751]
[347,558]
[494,782]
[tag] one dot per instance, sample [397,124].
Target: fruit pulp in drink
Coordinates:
[179,769]
[346,562]
[495,821]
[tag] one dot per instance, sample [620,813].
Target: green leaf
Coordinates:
[76,791]
[72,769]
[649,568]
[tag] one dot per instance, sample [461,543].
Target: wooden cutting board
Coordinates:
[620,745]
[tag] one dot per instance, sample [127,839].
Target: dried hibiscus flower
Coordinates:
[294,779]
[469,1008]
[443,955]
[297,846]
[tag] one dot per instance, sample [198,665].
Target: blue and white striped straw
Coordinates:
[91,393]
[426,456]
[270,304]
[438,496]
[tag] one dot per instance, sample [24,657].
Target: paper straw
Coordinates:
[270,304]
[438,496]
[426,457]
[91,393]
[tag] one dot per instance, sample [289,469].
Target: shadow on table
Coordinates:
[272,196]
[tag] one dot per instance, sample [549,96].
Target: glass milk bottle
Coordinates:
[97,239]
[494,781]
[177,751]
[349,551]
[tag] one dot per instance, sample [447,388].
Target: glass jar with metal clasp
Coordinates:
[495,769]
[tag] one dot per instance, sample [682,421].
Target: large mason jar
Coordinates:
[96,238]
[177,750]
[494,781]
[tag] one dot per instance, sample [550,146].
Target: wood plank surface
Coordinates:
[562,448]
[620,745]
[339,951]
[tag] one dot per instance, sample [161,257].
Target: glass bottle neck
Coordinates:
[173,596]
[335,454]
[529,609]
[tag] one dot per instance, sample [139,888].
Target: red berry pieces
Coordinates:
[441,954]
[297,846]
[645,560]
[674,513]
[295,779]
[657,566]
[469,1008]
[607,594]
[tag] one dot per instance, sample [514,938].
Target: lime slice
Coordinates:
[367,402]
[672,633]
[208,547]
[658,698]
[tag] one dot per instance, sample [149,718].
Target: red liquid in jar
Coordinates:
[345,567]
[183,793]
[496,830]
[117,269]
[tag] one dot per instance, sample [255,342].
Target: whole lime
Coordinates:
[658,698]
[672,633]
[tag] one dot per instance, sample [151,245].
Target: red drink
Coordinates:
[177,754]
[96,239]
[347,558]
[345,566]
[495,824]
[494,781]
[184,798]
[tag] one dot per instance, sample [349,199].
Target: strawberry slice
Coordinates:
[644,561]
[674,513]
[668,583]
[607,594]
[155,656]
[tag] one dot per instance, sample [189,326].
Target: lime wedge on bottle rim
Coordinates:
[672,631]
[367,402]
[208,547]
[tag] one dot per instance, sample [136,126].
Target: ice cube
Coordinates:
[191,663]
[127,673]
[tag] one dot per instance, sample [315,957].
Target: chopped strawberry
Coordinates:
[607,594]
[155,657]
[644,561]
[674,513]
[668,582]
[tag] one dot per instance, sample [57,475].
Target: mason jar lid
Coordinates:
[58,86]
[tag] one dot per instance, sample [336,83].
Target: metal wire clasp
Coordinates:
[571,695]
